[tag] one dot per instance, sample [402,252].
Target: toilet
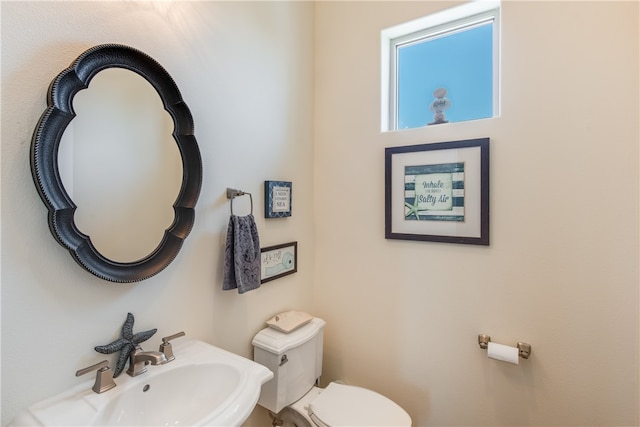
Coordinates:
[294,398]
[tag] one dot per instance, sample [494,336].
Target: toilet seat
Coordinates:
[345,405]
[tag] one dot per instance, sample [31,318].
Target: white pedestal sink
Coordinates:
[203,386]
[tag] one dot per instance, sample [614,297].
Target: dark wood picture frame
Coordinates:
[278,261]
[438,192]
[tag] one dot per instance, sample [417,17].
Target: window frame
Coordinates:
[436,25]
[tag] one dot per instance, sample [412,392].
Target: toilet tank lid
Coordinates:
[346,405]
[277,342]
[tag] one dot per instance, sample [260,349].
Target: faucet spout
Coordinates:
[139,359]
[152,357]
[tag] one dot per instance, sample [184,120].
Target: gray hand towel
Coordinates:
[242,255]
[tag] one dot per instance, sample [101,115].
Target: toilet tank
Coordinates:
[295,360]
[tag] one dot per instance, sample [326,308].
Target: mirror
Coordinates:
[85,179]
[121,135]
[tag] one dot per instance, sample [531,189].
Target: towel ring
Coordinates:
[232,194]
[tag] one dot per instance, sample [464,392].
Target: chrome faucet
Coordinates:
[139,359]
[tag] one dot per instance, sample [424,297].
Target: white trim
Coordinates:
[443,17]
[448,19]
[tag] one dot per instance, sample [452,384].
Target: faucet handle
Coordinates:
[166,348]
[104,379]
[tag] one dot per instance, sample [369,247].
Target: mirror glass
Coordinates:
[120,164]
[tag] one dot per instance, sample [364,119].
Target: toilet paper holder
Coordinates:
[524,349]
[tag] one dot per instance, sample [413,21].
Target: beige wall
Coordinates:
[562,269]
[245,71]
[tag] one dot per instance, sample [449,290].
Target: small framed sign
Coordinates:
[278,261]
[277,199]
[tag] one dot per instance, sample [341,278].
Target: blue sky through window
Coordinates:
[461,62]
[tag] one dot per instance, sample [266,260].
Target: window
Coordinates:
[442,68]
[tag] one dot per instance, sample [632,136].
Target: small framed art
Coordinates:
[279,260]
[277,199]
[438,192]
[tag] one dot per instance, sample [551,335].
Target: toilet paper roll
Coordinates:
[503,353]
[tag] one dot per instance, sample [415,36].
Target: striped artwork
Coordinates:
[434,192]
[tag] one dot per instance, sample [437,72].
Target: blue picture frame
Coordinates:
[277,199]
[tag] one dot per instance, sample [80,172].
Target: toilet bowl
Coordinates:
[344,405]
[297,414]
[296,360]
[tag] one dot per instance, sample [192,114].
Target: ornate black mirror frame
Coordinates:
[44,162]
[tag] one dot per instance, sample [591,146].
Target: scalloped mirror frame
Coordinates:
[44,162]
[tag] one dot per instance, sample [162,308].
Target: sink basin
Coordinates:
[154,403]
[203,386]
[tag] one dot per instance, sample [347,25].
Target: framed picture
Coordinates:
[278,261]
[277,199]
[438,192]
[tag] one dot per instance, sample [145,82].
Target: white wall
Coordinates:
[245,71]
[561,272]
